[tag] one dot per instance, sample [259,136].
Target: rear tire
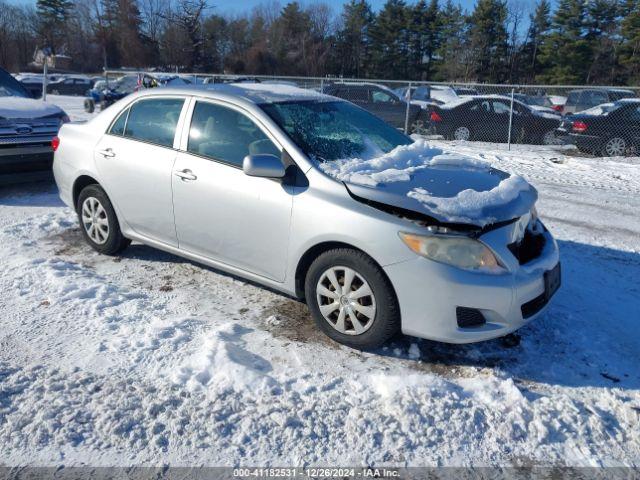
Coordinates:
[351,299]
[98,221]
[615,147]
[89,105]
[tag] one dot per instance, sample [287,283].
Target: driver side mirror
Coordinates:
[263,165]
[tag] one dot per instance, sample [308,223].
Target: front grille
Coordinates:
[529,248]
[469,317]
[32,162]
[532,307]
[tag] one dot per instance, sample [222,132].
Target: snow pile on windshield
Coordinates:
[377,167]
[471,206]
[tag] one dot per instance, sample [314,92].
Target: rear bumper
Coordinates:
[430,293]
[583,142]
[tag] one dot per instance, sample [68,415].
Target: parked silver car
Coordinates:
[236,177]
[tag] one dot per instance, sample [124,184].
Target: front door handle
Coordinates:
[185,174]
[107,153]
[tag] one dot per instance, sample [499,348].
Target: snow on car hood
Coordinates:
[19,107]
[444,185]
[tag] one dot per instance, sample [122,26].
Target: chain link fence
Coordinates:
[585,120]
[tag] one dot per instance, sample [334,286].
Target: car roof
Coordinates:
[255,93]
[601,89]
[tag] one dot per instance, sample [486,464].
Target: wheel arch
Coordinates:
[314,252]
[79,184]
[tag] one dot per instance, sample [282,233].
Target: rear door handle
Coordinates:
[185,174]
[107,152]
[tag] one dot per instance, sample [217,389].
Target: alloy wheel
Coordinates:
[615,147]
[346,300]
[94,220]
[462,133]
[549,138]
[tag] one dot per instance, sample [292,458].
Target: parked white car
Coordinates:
[313,196]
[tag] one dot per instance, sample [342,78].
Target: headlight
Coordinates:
[459,251]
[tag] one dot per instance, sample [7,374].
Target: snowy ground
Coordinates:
[151,359]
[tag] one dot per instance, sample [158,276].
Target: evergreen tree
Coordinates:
[630,48]
[424,40]
[452,54]
[603,31]
[353,39]
[390,41]
[52,18]
[292,40]
[539,25]
[488,40]
[566,53]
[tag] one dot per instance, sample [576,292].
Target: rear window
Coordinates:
[573,98]
[619,94]
[154,120]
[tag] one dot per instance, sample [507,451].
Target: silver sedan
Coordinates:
[239,177]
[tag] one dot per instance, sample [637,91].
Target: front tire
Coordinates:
[351,299]
[462,133]
[98,221]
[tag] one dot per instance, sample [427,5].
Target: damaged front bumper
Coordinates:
[434,296]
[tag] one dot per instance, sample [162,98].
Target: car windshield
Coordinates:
[10,87]
[329,131]
[603,109]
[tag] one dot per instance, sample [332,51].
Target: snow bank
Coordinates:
[470,206]
[18,107]
[396,166]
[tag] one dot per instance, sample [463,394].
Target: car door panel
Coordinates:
[143,195]
[224,214]
[232,218]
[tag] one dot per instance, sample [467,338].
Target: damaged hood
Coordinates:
[447,187]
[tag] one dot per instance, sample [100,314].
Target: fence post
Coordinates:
[44,81]
[322,85]
[510,119]
[406,116]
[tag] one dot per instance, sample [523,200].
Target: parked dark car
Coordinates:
[70,86]
[537,102]
[380,101]
[580,100]
[486,118]
[610,129]
[465,91]
[27,128]
[33,85]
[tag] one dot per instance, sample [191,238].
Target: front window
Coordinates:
[379,96]
[226,135]
[328,131]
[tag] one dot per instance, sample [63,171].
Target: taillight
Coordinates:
[55,143]
[558,108]
[579,126]
[435,117]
